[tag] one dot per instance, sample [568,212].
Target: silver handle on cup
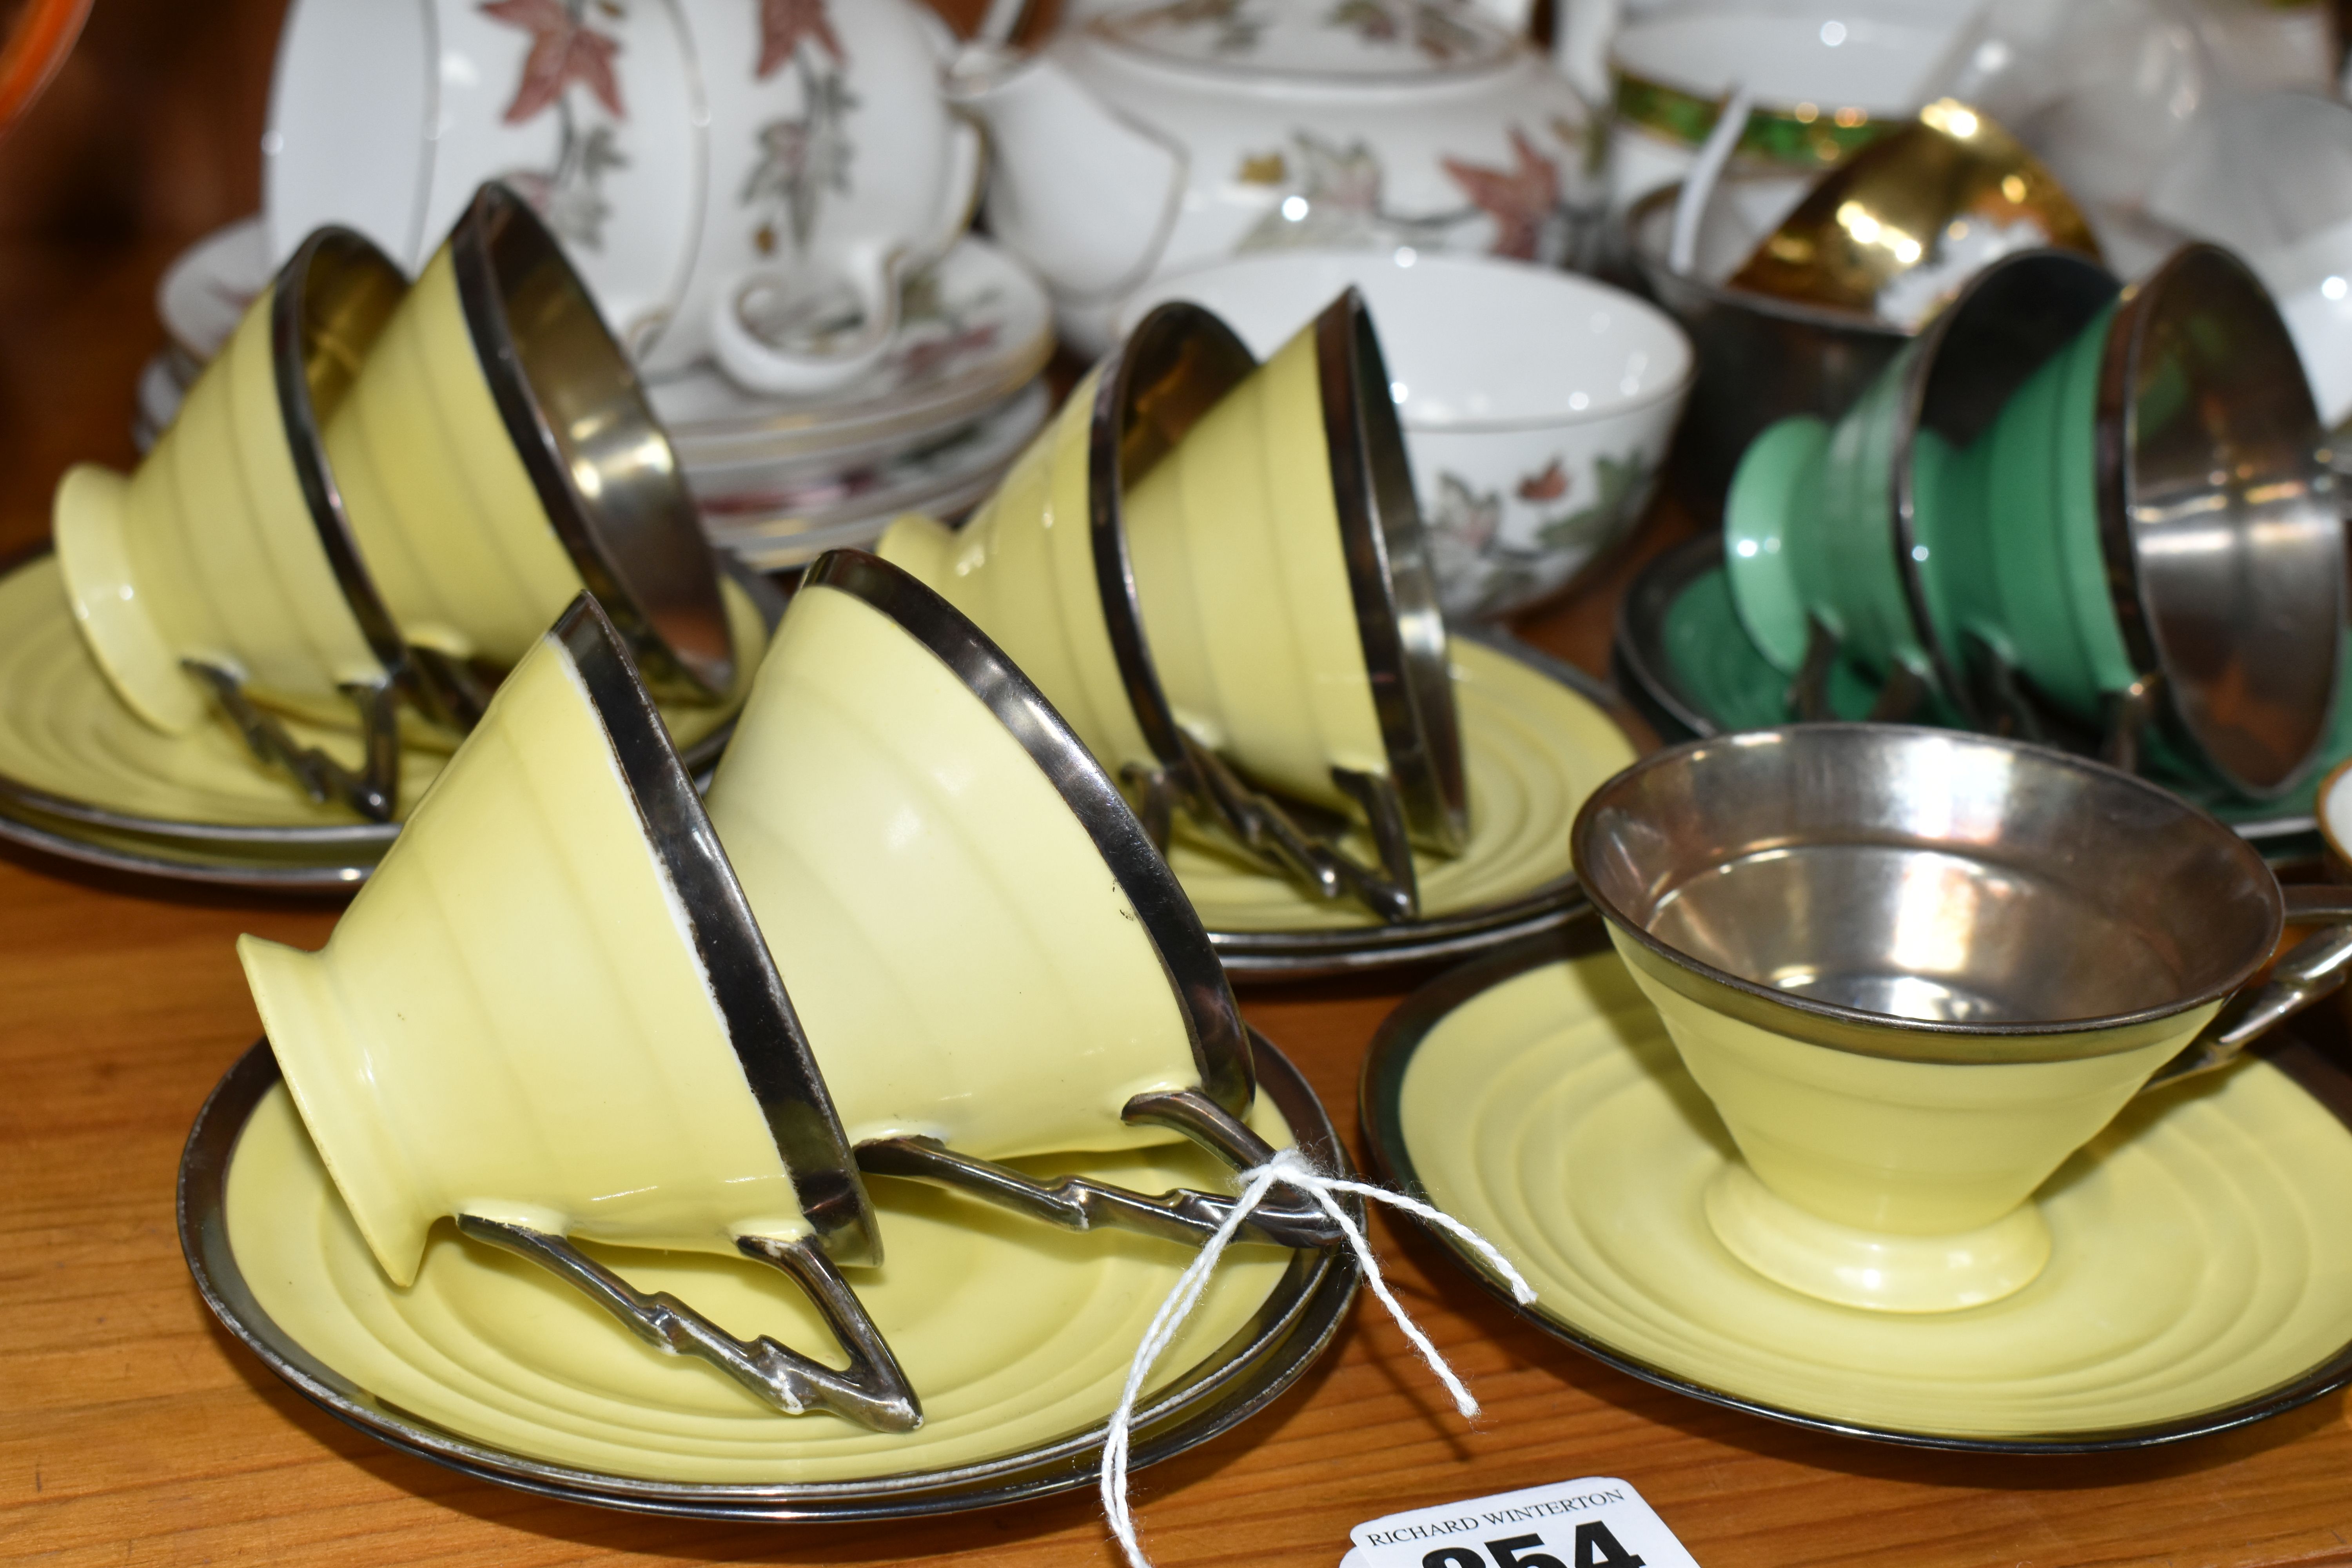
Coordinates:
[1075,1203]
[373,790]
[2312,969]
[872,1391]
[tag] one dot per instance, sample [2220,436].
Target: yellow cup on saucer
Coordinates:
[1259,584]
[223,547]
[497,453]
[1023,568]
[549,1013]
[989,958]
[1916,970]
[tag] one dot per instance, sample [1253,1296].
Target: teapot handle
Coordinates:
[960,192]
[1512,16]
[2313,969]
[756,363]
[1582,31]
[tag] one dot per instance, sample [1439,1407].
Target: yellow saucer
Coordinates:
[82,774]
[1017,1336]
[1534,746]
[2200,1276]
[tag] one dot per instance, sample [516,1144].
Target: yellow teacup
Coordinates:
[1250,596]
[550,1013]
[1915,971]
[225,547]
[1277,563]
[1023,569]
[989,956]
[497,454]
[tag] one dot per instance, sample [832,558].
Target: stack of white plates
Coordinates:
[931,428]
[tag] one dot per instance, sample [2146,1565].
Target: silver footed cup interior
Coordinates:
[1930,880]
[2219,518]
[1915,971]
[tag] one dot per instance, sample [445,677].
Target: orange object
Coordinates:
[38,42]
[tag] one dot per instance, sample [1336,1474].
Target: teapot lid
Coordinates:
[1363,40]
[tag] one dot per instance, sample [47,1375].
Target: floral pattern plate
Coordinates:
[775,518]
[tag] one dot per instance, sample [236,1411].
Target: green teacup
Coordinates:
[2010,529]
[2121,501]
[1809,535]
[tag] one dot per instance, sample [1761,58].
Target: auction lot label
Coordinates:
[1597,1522]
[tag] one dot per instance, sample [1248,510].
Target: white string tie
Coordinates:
[1289,1168]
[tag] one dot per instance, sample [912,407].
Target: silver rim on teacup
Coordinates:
[1688,811]
[2259,410]
[1264,1358]
[1174,366]
[1380,1100]
[778,1065]
[1210,1113]
[573,405]
[333,298]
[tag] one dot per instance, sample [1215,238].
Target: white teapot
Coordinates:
[1165,133]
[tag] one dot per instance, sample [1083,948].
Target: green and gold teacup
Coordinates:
[1916,970]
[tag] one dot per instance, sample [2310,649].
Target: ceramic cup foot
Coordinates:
[114,619]
[1781,477]
[1883,1270]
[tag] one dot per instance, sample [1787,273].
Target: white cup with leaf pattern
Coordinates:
[1537,404]
[835,168]
[738,180]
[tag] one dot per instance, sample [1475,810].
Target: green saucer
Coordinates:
[1685,662]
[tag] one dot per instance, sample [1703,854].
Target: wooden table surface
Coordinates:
[134,1431]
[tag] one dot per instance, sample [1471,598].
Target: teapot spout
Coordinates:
[1084,196]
